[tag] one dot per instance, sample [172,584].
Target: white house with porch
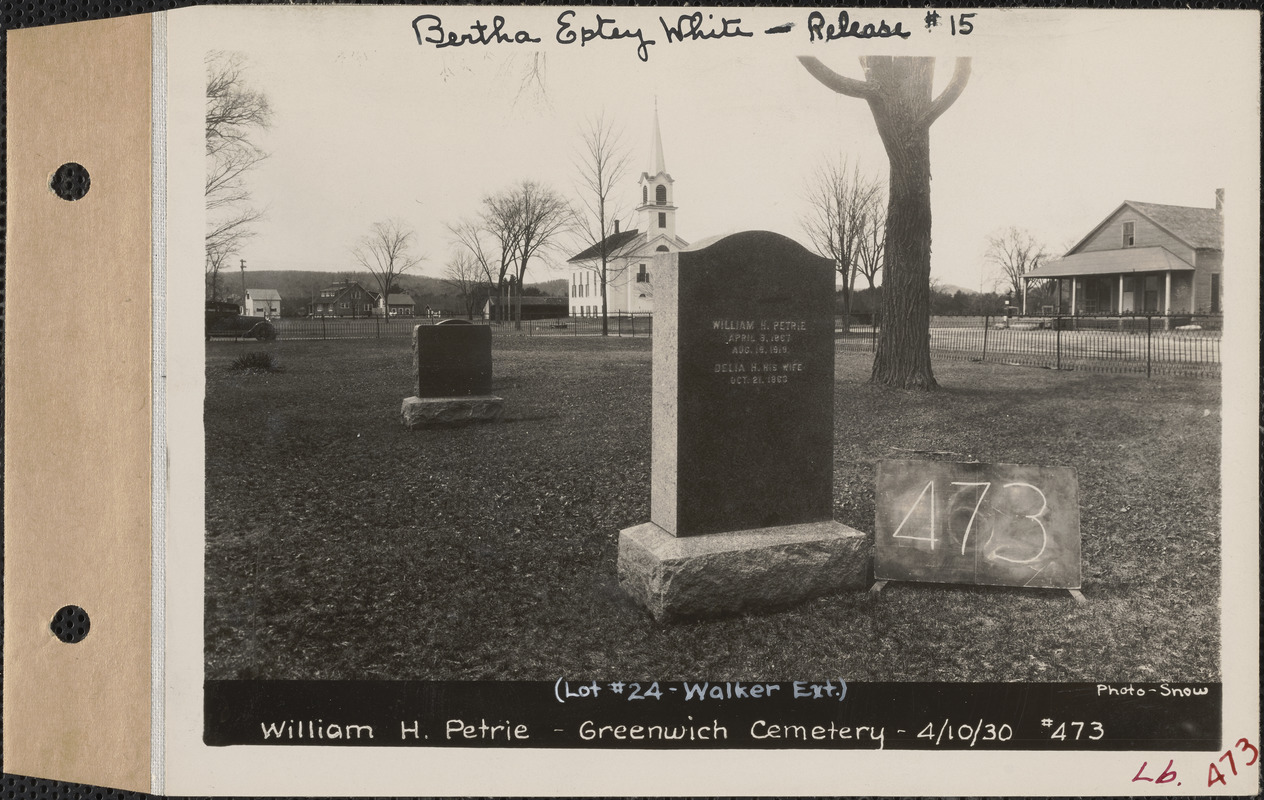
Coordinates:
[1143,258]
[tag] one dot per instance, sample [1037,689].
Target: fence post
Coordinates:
[633,317]
[987,323]
[377,328]
[1057,329]
[323,335]
[1148,318]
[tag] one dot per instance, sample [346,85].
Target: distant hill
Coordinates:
[298,287]
[557,288]
[952,288]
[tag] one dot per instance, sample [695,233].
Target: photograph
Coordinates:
[478,232]
[633,401]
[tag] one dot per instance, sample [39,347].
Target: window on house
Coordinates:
[1129,239]
[345,305]
[662,219]
[642,276]
[645,194]
[1215,293]
[662,248]
[660,195]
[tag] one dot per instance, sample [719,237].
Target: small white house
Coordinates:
[263,303]
[400,305]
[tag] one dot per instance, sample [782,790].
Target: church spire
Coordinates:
[657,165]
[658,212]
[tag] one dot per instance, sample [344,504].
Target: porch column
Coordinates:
[1025,282]
[1121,293]
[1167,293]
[1193,293]
[1073,308]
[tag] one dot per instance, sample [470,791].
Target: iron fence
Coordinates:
[292,328]
[320,328]
[619,324]
[1150,344]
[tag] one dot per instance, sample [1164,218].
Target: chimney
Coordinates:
[616,222]
[1220,201]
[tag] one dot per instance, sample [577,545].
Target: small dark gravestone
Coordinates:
[452,360]
[743,434]
[452,365]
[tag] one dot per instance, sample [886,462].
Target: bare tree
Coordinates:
[840,202]
[235,114]
[386,252]
[464,274]
[537,216]
[873,240]
[1015,252]
[602,163]
[898,90]
[491,240]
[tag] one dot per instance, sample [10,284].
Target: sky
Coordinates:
[1066,115]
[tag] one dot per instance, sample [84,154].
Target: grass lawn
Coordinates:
[340,545]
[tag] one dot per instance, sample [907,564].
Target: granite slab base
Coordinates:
[423,412]
[722,574]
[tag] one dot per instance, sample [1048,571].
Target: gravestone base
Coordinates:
[721,574]
[422,412]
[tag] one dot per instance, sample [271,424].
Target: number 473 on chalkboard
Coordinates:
[983,524]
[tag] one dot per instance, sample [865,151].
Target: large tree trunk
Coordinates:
[903,357]
[605,319]
[898,90]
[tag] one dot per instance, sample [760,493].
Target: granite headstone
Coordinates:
[452,360]
[743,398]
[742,458]
[452,370]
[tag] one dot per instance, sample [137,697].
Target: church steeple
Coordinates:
[657,160]
[658,214]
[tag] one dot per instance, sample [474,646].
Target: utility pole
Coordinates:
[243,286]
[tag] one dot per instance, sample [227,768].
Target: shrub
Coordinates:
[259,361]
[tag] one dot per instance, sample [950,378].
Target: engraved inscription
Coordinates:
[758,352]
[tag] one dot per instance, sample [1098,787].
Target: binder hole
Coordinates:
[70,624]
[70,181]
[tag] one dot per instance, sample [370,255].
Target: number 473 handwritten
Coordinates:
[985,486]
[1214,775]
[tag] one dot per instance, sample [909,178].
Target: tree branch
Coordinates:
[960,76]
[839,83]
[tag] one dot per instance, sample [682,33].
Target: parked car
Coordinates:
[226,319]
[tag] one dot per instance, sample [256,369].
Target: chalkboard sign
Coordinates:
[987,524]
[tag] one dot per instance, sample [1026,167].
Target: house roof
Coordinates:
[342,286]
[1196,227]
[612,242]
[1106,262]
[264,294]
[400,300]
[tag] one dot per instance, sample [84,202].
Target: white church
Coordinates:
[630,254]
